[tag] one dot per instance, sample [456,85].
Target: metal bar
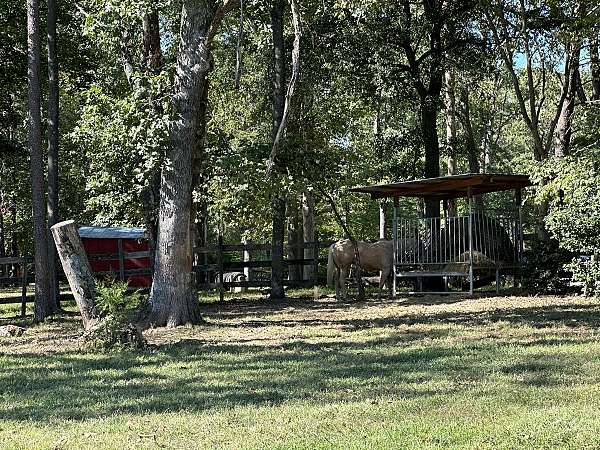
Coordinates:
[470,240]
[395,244]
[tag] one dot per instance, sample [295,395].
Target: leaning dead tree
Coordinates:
[83,285]
[77,269]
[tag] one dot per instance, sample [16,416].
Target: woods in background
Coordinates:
[170,112]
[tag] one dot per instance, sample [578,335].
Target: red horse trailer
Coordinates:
[118,253]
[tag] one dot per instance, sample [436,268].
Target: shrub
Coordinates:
[587,272]
[117,308]
[544,269]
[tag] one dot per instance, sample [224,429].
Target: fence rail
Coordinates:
[16,267]
[212,276]
[209,275]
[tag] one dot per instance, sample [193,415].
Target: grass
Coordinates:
[422,372]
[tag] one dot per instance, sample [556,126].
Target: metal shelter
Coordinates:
[455,246]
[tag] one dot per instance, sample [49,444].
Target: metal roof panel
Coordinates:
[112,233]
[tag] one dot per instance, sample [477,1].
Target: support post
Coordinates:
[395,246]
[121,260]
[220,262]
[470,196]
[77,269]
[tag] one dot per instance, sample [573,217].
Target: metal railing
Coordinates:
[435,241]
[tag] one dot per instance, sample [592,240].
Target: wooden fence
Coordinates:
[211,275]
[208,275]
[14,273]
[119,271]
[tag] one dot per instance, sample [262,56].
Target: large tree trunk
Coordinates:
[564,126]
[77,269]
[595,66]
[277,203]
[53,99]
[308,230]
[472,150]
[451,140]
[43,304]
[432,148]
[172,296]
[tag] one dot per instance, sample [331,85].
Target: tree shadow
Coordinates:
[575,315]
[196,375]
[199,374]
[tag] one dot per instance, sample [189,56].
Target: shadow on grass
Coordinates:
[575,315]
[193,375]
[196,375]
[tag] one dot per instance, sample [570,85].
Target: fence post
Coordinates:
[220,262]
[315,267]
[246,259]
[24,288]
[121,260]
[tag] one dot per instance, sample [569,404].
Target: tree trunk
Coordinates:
[382,220]
[277,203]
[153,57]
[2,234]
[308,230]
[294,240]
[472,151]
[77,269]
[14,245]
[595,66]
[197,158]
[451,140]
[564,126]
[278,231]
[53,99]
[432,148]
[171,297]
[153,60]
[43,304]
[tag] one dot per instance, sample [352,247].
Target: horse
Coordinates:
[377,256]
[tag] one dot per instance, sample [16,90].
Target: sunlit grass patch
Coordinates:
[419,372]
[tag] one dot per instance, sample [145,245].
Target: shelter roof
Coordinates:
[112,233]
[452,186]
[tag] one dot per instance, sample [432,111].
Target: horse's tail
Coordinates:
[330,267]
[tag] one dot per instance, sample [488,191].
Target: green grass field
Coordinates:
[423,372]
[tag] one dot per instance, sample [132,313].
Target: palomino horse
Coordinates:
[373,257]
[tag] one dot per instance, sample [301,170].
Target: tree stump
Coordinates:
[77,269]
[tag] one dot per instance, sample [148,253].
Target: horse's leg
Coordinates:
[383,279]
[343,276]
[336,282]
